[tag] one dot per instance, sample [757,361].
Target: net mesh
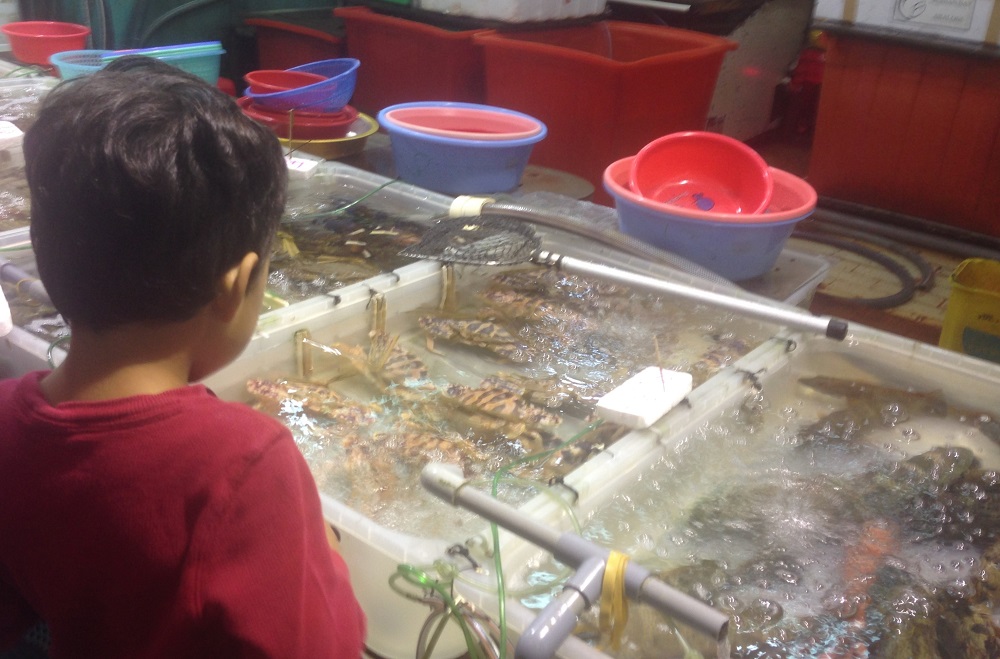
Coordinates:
[489,240]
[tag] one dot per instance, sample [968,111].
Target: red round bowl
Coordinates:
[33,42]
[704,171]
[268,81]
[301,125]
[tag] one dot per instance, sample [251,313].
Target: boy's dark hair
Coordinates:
[147,184]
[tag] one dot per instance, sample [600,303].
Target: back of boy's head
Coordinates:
[147,185]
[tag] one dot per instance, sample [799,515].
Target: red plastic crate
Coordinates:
[911,130]
[404,60]
[282,45]
[604,90]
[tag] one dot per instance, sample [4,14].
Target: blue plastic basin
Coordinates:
[458,166]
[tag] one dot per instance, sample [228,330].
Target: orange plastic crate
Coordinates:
[911,130]
[604,90]
[282,45]
[404,60]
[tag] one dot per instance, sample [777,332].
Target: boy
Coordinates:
[140,516]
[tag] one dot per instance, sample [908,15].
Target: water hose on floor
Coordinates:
[908,286]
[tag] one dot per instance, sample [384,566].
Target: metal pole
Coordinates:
[833,328]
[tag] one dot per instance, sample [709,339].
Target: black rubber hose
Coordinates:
[911,230]
[926,280]
[905,293]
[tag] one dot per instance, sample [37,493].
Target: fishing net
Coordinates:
[483,240]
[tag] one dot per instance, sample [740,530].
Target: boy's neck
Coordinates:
[139,359]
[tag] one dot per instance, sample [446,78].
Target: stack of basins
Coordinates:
[307,106]
[460,148]
[710,199]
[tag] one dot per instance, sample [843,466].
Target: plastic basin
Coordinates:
[328,95]
[351,143]
[734,245]
[464,121]
[702,170]
[33,42]
[458,165]
[303,126]
[268,81]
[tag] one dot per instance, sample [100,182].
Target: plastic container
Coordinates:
[407,60]
[604,90]
[455,165]
[204,63]
[351,143]
[303,126]
[517,11]
[451,120]
[268,81]
[33,42]
[75,63]
[283,43]
[972,319]
[729,245]
[329,95]
[702,170]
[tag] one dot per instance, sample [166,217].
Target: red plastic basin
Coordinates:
[301,125]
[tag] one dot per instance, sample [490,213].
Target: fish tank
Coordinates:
[834,499]
[488,368]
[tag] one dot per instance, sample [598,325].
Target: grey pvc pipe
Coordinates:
[558,619]
[833,328]
[447,482]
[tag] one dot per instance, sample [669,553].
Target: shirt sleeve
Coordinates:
[267,579]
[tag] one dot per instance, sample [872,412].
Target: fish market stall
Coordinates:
[383,363]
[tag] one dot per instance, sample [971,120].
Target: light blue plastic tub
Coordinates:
[457,166]
[203,62]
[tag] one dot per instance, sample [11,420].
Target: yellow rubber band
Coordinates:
[614,603]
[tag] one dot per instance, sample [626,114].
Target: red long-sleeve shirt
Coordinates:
[171,525]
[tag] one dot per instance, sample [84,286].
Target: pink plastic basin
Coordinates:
[703,171]
[33,42]
[465,122]
[268,81]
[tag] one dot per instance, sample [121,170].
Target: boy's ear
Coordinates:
[233,286]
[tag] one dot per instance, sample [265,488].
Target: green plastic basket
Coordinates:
[202,60]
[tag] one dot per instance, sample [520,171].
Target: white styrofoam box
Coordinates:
[961,20]
[866,354]
[516,11]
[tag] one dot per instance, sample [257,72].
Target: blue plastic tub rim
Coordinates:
[329,67]
[392,127]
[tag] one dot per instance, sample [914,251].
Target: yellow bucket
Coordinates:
[972,320]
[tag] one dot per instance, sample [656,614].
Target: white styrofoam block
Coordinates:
[645,397]
[301,168]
